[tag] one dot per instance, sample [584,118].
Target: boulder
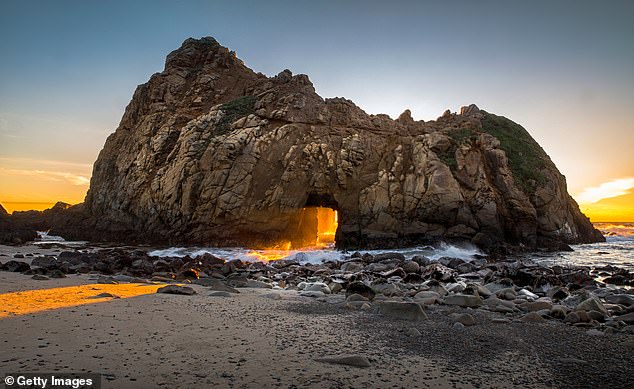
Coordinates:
[410,267]
[402,310]
[532,317]
[463,318]
[623,299]
[16,266]
[317,287]
[358,287]
[592,304]
[463,300]
[176,289]
[352,266]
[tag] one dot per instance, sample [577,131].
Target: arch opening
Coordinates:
[317,227]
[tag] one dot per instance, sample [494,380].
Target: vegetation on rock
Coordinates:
[526,157]
[233,110]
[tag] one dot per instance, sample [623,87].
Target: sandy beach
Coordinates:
[261,337]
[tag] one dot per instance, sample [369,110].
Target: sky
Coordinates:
[562,69]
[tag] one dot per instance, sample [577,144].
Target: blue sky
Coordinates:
[563,69]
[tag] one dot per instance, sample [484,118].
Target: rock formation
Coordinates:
[209,151]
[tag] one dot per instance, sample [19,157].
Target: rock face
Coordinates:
[209,151]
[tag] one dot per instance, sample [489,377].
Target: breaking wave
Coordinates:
[317,255]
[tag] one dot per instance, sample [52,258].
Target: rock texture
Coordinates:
[209,151]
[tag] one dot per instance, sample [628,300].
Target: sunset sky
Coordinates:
[562,69]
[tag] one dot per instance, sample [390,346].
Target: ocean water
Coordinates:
[618,250]
[315,255]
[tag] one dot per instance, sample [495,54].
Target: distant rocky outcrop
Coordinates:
[209,151]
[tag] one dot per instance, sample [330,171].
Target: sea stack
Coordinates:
[210,152]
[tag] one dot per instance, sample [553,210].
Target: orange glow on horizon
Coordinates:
[32,301]
[11,207]
[613,209]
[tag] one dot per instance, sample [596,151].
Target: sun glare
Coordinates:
[32,301]
[319,232]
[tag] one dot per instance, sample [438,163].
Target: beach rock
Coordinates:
[410,267]
[577,317]
[527,294]
[385,288]
[317,287]
[259,284]
[592,304]
[335,287]
[106,280]
[463,300]
[104,295]
[358,287]
[40,277]
[559,312]
[356,297]
[494,304]
[216,285]
[45,262]
[176,289]
[623,299]
[399,257]
[421,260]
[457,326]
[532,317]
[187,273]
[426,294]
[506,294]
[349,360]
[628,318]
[402,310]
[504,283]
[16,266]
[481,290]
[55,273]
[558,293]
[439,272]
[450,262]
[463,318]
[435,286]
[456,287]
[538,305]
[352,266]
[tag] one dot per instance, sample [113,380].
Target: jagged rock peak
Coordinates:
[405,117]
[470,110]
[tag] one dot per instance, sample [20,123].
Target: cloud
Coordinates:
[71,178]
[606,190]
